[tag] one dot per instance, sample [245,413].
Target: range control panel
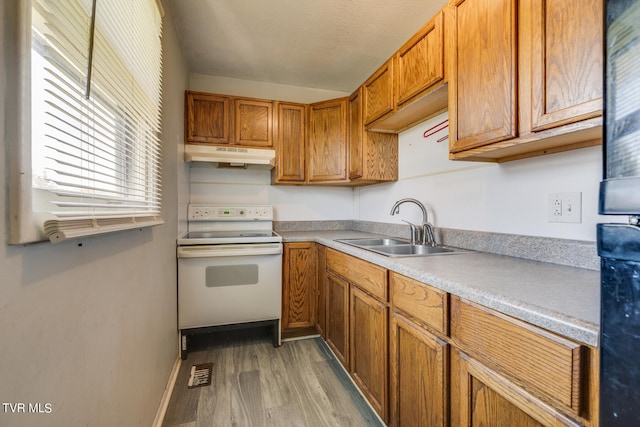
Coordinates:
[232,213]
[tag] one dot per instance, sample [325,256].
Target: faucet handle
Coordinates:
[415,231]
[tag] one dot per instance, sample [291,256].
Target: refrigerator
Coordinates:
[619,241]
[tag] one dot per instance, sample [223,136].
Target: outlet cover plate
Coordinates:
[564,207]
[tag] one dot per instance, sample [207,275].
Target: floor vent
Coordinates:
[200,375]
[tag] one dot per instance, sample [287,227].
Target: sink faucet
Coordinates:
[427,228]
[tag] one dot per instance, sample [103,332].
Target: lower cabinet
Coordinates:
[423,357]
[368,320]
[418,364]
[337,322]
[299,288]
[487,398]
[321,296]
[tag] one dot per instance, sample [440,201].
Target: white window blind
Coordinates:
[95,115]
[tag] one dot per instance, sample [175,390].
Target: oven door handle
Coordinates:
[213,251]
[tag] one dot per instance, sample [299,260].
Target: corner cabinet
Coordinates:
[220,120]
[373,156]
[299,289]
[539,89]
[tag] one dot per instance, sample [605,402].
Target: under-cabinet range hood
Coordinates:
[231,157]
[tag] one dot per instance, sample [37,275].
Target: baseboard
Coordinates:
[166,397]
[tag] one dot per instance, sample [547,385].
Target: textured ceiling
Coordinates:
[326,44]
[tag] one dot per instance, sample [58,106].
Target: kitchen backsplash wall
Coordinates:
[291,203]
[490,197]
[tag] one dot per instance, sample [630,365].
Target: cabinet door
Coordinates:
[420,62]
[253,123]
[368,332]
[487,399]
[299,286]
[321,299]
[337,322]
[356,130]
[483,86]
[207,118]
[566,61]
[377,93]
[291,143]
[327,151]
[418,386]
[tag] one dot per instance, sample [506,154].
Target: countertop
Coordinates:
[564,300]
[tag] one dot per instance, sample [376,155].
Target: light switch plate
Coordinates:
[565,207]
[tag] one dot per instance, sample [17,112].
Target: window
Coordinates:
[95,96]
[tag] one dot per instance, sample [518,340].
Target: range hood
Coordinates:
[231,157]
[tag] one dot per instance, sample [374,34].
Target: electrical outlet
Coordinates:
[564,207]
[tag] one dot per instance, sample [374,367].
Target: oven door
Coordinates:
[229,284]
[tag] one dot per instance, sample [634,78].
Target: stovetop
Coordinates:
[229,224]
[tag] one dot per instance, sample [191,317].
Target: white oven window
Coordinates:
[231,275]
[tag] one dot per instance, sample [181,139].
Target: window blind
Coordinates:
[96,71]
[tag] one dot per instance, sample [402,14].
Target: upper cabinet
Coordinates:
[291,143]
[410,87]
[253,122]
[483,88]
[566,82]
[373,156]
[539,87]
[419,64]
[219,120]
[327,149]
[207,118]
[377,93]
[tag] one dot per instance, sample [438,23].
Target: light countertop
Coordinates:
[564,300]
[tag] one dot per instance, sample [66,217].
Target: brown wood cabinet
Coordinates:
[207,118]
[291,138]
[253,122]
[368,322]
[436,359]
[539,89]
[418,363]
[487,398]
[377,93]
[368,336]
[418,353]
[509,371]
[327,149]
[419,63]
[337,321]
[220,120]
[483,91]
[299,288]
[373,156]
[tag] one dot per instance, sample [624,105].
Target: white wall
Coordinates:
[508,197]
[89,326]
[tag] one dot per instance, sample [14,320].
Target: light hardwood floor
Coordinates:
[255,384]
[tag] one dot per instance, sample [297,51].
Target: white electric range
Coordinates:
[229,270]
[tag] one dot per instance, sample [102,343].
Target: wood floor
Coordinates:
[255,384]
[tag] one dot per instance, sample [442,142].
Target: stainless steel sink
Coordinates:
[401,248]
[374,242]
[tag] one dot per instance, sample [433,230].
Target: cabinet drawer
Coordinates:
[545,364]
[369,277]
[420,301]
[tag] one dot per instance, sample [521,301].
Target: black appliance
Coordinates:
[619,243]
